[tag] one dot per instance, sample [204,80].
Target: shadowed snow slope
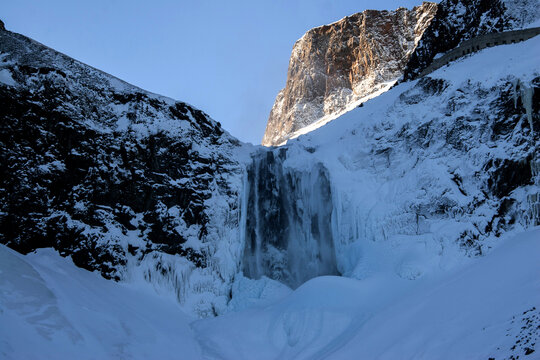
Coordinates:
[51,309]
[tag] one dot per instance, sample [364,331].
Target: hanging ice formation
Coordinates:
[288,215]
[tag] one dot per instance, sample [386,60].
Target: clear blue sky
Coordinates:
[228,58]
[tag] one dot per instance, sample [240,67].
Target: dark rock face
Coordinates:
[454,22]
[333,66]
[99,169]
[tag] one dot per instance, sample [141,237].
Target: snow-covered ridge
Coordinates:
[129,183]
[382,87]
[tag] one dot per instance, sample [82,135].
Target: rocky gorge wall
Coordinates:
[336,67]
[115,177]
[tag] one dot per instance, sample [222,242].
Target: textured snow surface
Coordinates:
[50,309]
[526,12]
[412,170]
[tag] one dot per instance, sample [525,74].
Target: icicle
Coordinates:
[515,92]
[527,100]
[533,200]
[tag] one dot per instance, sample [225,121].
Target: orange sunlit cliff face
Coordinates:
[336,65]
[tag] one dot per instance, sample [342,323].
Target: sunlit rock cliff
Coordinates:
[333,67]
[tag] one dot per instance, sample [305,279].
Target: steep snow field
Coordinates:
[50,309]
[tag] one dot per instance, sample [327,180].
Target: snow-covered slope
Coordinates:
[51,309]
[439,166]
[488,307]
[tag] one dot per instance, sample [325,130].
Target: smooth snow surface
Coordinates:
[351,106]
[462,314]
[49,309]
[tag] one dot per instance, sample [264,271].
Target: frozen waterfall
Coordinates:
[288,221]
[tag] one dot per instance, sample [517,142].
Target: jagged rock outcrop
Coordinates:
[334,66]
[457,21]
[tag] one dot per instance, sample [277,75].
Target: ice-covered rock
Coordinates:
[288,222]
